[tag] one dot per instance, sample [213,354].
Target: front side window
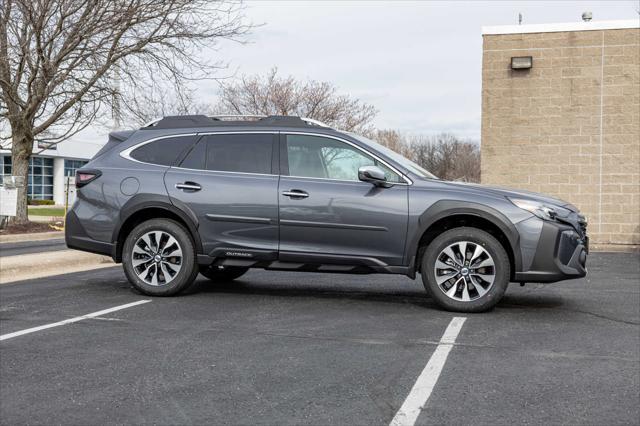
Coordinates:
[163,152]
[320,157]
[240,153]
[399,159]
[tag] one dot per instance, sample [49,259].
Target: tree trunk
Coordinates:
[21,149]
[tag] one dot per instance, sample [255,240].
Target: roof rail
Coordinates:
[226,120]
[236,116]
[314,122]
[260,116]
[152,122]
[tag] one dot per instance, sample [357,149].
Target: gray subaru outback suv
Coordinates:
[194,194]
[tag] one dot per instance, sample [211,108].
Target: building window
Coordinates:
[40,178]
[70,166]
[5,167]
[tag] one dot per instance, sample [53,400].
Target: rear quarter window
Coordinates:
[163,152]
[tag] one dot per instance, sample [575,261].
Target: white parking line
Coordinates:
[70,320]
[419,395]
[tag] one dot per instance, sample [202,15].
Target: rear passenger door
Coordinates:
[227,180]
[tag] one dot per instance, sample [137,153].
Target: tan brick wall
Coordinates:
[570,126]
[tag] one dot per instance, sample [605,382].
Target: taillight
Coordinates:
[83,177]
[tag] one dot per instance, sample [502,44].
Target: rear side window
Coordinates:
[196,158]
[163,152]
[243,153]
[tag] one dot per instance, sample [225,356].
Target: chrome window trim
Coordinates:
[402,175]
[223,171]
[126,153]
[341,180]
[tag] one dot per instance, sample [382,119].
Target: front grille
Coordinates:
[568,244]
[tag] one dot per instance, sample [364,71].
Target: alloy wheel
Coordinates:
[464,271]
[157,258]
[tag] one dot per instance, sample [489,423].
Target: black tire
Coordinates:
[500,270]
[228,273]
[188,266]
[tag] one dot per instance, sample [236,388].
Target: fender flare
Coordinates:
[141,202]
[445,208]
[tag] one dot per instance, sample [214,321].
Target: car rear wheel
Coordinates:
[222,274]
[466,270]
[159,258]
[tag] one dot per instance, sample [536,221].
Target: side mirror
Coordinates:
[374,175]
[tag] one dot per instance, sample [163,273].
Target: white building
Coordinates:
[49,168]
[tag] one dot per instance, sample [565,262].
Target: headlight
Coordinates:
[543,211]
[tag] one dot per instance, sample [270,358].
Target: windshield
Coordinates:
[405,162]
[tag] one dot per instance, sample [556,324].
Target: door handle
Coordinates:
[188,186]
[295,193]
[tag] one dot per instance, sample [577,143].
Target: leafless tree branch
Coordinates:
[65,62]
[271,94]
[445,155]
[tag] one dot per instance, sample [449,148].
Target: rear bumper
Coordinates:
[76,238]
[561,254]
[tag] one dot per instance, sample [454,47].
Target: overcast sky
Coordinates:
[418,63]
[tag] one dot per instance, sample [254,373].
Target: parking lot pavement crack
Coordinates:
[365,341]
[107,319]
[601,316]
[578,311]
[550,354]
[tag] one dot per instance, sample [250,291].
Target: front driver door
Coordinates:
[327,214]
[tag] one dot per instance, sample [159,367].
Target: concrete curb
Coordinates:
[35,236]
[615,248]
[38,265]
[46,219]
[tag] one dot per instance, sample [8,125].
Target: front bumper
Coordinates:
[561,254]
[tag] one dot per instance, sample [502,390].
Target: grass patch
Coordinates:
[47,211]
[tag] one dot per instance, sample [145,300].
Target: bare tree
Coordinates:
[63,61]
[140,105]
[392,139]
[444,155]
[274,95]
[447,156]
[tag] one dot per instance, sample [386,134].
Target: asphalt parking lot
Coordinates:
[293,348]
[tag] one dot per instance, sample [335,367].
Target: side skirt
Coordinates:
[356,267]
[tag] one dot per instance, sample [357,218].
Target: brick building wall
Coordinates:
[570,125]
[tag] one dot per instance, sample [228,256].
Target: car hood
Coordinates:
[512,193]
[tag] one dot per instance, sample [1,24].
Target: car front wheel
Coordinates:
[466,270]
